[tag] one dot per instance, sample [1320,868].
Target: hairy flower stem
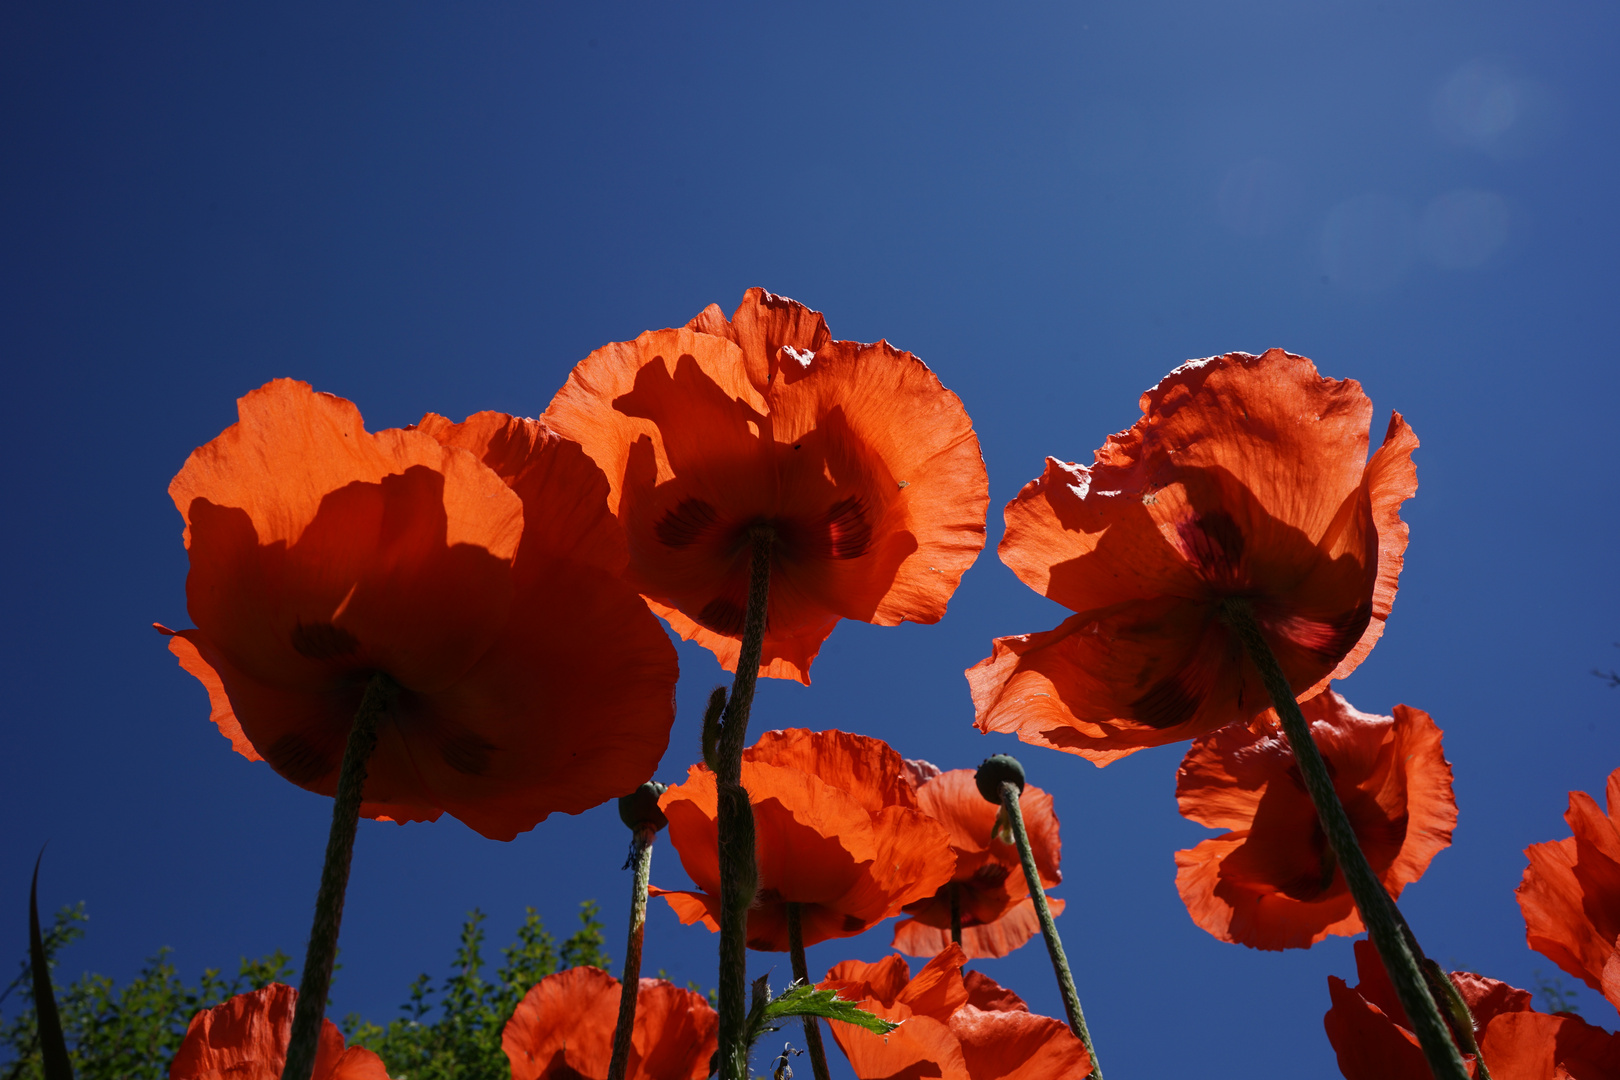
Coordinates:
[739,874]
[1378,911]
[630,986]
[801,974]
[1010,803]
[323,934]
[955,891]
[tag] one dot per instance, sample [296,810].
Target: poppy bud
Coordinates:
[996,770]
[639,809]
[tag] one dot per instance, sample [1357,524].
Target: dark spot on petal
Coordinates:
[686,524]
[1213,544]
[849,533]
[323,641]
[466,753]
[1315,876]
[299,760]
[723,616]
[990,875]
[1167,704]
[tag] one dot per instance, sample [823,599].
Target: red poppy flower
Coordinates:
[1246,478]
[837,831]
[866,467]
[1570,894]
[1373,1039]
[475,564]
[1272,882]
[992,896]
[952,1027]
[246,1039]
[563,1030]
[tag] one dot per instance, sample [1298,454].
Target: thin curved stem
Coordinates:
[1378,911]
[956,912]
[1010,803]
[323,934]
[739,873]
[630,986]
[801,974]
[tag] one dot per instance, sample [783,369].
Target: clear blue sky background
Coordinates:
[444,207]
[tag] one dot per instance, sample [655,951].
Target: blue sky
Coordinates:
[442,208]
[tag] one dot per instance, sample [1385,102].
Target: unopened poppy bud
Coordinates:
[996,770]
[639,809]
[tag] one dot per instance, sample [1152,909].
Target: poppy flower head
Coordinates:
[563,1030]
[837,832]
[953,1025]
[246,1039]
[1247,479]
[1570,894]
[322,555]
[1373,1039]
[991,895]
[863,467]
[1272,881]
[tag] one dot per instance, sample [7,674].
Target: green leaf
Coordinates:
[53,1047]
[802,999]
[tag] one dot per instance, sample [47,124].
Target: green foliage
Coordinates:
[766,1013]
[454,1030]
[132,1032]
[120,1033]
[1556,994]
[801,999]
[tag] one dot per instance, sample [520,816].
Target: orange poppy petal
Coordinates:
[857,980]
[923,1045]
[571,707]
[675,1034]
[1272,882]
[868,769]
[563,1027]
[762,326]
[1106,684]
[302,733]
[866,468]
[370,581]
[1390,479]
[563,491]
[246,1039]
[1017,1045]
[1570,894]
[1246,477]
[1369,1045]
[923,485]
[845,857]
[784,655]
[1556,1047]
[920,1047]
[691,907]
[198,659]
[981,941]
[952,798]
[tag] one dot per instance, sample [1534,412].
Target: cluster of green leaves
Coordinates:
[132,1032]
[127,1032]
[463,1039]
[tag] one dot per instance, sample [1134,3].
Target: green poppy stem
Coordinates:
[323,934]
[739,873]
[630,986]
[801,973]
[1378,911]
[955,891]
[1011,806]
